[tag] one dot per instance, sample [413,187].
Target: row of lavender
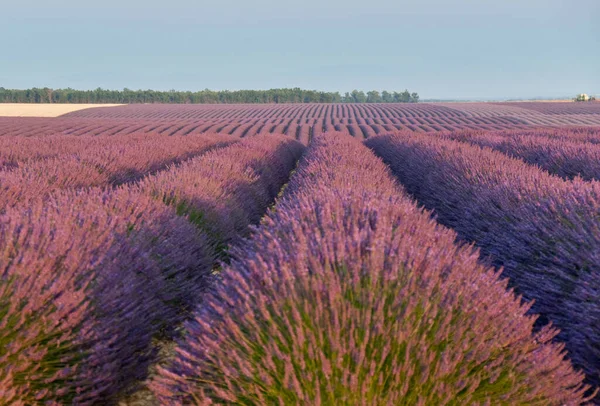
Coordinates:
[568,153]
[90,277]
[135,152]
[35,167]
[544,230]
[349,294]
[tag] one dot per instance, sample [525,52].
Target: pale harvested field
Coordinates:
[44,110]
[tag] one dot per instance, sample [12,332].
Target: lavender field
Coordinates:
[301,254]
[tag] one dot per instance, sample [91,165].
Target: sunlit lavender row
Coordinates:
[92,277]
[225,190]
[348,293]
[116,154]
[86,162]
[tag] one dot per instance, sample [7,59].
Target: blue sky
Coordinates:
[440,49]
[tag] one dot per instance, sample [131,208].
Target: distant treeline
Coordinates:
[296,95]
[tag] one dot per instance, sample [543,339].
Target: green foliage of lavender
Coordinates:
[349,294]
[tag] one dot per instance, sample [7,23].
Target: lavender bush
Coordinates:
[87,279]
[564,156]
[136,151]
[79,162]
[224,191]
[90,277]
[542,229]
[349,294]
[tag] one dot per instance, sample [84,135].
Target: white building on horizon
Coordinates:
[582,97]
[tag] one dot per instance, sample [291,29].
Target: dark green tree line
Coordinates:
[295,95]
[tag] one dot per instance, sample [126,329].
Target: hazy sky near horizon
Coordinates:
[440,49]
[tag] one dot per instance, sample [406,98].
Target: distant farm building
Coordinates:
[582,97]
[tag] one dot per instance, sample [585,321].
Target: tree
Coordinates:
[359,96]
[373,97]
[387,97]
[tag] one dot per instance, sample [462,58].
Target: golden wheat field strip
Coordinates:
[44,110]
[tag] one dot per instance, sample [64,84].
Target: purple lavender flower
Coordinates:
[349,294]
[542,229]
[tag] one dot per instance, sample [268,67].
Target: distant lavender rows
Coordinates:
[302,121]
[544,231]
[90,277]
[349,294]
[301,129]
[419,115]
